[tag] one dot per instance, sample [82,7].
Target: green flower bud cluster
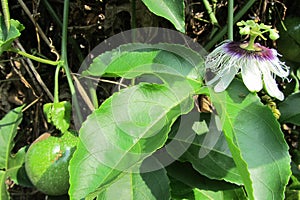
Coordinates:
[250,27]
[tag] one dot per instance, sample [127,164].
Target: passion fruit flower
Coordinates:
[258,64]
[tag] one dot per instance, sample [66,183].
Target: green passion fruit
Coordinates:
[47,161]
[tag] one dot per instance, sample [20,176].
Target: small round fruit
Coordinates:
[47,161]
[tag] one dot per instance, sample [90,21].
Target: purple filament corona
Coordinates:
[261,53]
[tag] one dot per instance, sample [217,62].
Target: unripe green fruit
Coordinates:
[47,161]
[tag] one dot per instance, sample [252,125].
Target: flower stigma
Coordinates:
[258,65]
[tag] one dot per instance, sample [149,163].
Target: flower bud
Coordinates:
[273,34]
[245,30]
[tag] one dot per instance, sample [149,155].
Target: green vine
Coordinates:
[222,32]
[64,57]
[30,56]
[6,14]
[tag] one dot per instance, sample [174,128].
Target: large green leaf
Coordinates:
[8,130]
[16,168]
[173,10]
[127,128]
[175,65]
[219,195]
[290,109]
[3,187]
[186,183]
[256,142]
[215,161]
[151,185]
[182,191]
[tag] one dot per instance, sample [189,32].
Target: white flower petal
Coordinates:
[271,86]
[278,68]
[258,69]
[273,63]
[225,80]
[252,76]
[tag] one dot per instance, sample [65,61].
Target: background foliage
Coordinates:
[253,155]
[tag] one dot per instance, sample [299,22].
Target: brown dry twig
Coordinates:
[36,74]
[41,32]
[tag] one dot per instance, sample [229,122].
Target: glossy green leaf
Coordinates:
[171,10]
[6,38]
[15,161]
[188,175]
[256,142]
[289,40]
[16,170]
[235,194]
[179,190]
[8,130]
[293,189]
[186,183]
[152,185]
[128,127]
[290,109]
[215,161]
[58,114]
[48,111]
[175,65]
[3,187]
[292,194]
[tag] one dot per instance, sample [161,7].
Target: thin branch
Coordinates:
[36,74]
[41,32]
[103,80]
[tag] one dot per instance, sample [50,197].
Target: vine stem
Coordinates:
[211,14]
[59,23]
[6,14]
[32,57]
[230,19]
[78,53]
[64,59]
[56,83]
[237,17]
